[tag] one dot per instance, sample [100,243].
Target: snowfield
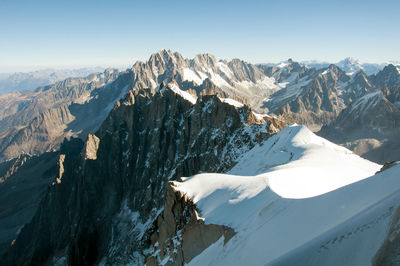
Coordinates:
[232,102]
[298,199]
[184,94]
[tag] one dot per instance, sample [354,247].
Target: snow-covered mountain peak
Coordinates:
[270,230]
[294,163]
[165,57]
[391,69]
[350,65]
[283,64]
[289,65]
[208,60]
[388,76]
[300,164]
[167,54]
[350,60]
[256,205]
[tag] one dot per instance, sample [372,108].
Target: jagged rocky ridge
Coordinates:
[75,107]
[36,122]
[65,105]
[348,64]
[297,213]
[19,108]
[179,233]
[121,217]
[104,200]
[370,125]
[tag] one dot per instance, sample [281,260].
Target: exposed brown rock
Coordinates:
[60,164]
[387,165]
[158,138]
[91,147]
[12,166]
[180,234]
[198,236]
[370,127]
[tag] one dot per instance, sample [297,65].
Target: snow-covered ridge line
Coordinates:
[299,164]
[232,102]
[330,228]
[184,94]
[371,99]
[260,116]
[282,195]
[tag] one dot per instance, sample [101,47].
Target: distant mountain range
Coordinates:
[202,161]
[349,65]
[313,97]
[28,81]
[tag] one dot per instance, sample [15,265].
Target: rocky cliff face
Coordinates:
[76,107]
[71,108]
[389,77]
[103,207]
[316,98]
[236,79]
[106,203]
[370,127]
[179,233]
[19,108]
[43,133]
[23,183]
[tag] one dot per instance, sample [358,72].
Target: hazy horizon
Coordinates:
[25,69]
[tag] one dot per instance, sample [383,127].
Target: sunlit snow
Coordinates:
[284,194]
[232,102]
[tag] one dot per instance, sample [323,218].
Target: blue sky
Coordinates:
[38,34]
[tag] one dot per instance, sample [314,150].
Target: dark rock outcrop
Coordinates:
[389,76]
[387,165]
[91,147]
[18,109]
[370,127]
[23,183]
[76,107]
[37,122]
[179,234]
[314,98]
[103,209]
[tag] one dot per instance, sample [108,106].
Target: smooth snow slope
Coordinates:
[299,164]
[273,208]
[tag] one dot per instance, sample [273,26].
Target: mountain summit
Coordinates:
[77,106]
[295,197]
[192,161]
